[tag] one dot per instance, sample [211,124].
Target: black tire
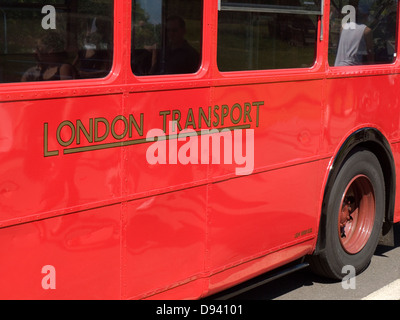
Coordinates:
[361,165]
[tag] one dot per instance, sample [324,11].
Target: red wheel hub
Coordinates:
[357,214]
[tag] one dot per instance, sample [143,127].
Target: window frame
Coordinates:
[364,69]
[158,78]
[72,87]
[268,8]
[281,10]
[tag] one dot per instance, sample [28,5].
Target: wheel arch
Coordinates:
[373,140]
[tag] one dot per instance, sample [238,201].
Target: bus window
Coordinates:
[166,36]
[362,32]
[69,39]
[277,35]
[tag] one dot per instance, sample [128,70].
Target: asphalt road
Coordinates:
[304,285]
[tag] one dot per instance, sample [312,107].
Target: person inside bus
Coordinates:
[356,40]
[180,56]
[51,60]
[144,49]
[92,61]
[176,57]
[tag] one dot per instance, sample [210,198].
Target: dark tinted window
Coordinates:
[274,4]
[362,32]
[61,40]
[258,35]
[166,36]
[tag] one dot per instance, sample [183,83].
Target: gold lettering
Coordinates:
[132,121]
[96,129]
[48,153]
[202,115]
[71,139]
[239,107]
[164,114]
[81,128]
[190,119]
[258,104]
[224,113]
[113,124]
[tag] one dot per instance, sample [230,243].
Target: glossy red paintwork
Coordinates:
[114,226]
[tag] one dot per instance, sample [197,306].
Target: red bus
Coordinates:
[92,206]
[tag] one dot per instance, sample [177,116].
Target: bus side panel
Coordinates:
[166,228]
[159,165]
[359,102]
[396,155]
[286,118]
[252,268]
[165,244]
[79,257]
[282,193]
[37,177]
[283,204]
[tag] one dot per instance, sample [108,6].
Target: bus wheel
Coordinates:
[355,214]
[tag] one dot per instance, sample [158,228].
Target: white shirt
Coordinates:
[352,46]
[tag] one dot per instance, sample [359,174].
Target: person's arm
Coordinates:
[67,72]
[369,41]
[153,50]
